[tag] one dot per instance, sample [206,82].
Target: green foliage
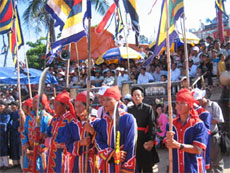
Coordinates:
[34,54]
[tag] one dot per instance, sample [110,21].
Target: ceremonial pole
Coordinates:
[169,82]
[88,75]
[67,69]
[185,50]
[126,42]
[28,74]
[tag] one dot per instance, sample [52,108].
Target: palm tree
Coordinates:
[37,17]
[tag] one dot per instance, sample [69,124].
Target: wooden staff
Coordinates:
[185,50]
[169,82]
[88,75]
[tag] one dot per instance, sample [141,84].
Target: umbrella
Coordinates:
[113,55]
[8,75]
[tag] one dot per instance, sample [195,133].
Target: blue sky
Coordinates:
[196,11]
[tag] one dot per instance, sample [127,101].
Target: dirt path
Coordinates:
[160,167]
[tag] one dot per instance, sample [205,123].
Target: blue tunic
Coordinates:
[15,139]
[28,140]
[4,133]
[105,142]
[205,116]
[192,132]
[74,133]
[56,161]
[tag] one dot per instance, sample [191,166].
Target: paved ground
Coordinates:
[161,167]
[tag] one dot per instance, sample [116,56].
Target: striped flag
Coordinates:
[6,16]
[106,18]
[130,7]
[12,36]
[176,10]
[69,16]
[119,23]
[220,6]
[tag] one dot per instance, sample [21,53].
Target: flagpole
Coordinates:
[78,62]
[67,69]
[185,50]
[28,74]
[126,44]
[169,82]
[88,75]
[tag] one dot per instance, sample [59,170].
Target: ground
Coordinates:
[162,165]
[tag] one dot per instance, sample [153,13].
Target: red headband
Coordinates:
[64,98]
[113,92]
[45,102]
[82,97]
[28,102]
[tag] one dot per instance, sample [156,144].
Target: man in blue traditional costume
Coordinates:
[189,136]
[57,152]
[4,131]
[125,123]
[15,139]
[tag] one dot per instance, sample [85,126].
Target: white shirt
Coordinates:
[143,79]
[121,78]
[109,81]
[175,74]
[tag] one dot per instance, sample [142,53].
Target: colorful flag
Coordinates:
[176,10]
[119,22]
[68,15]
[220,6]
[130,7]
[106,18]
[6,16]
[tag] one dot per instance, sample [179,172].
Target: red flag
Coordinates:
[105,19]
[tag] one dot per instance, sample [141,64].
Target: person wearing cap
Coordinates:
[100,93]
[216,159]
[205,116]
[146,153]
[215,61]
[184,82]
[4,135]
[189,136]
[15,140]
[56,131]
[206,67]
[196,55]
[79,134]
[128,100]
[125,123]
[122,77]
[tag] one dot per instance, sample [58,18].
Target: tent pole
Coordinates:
[169,82]
[185,50]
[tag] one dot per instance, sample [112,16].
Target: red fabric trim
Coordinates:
[201,145]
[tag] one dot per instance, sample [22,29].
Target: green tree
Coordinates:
[35,53]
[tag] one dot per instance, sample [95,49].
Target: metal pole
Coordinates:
[169,82]
[185,50]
